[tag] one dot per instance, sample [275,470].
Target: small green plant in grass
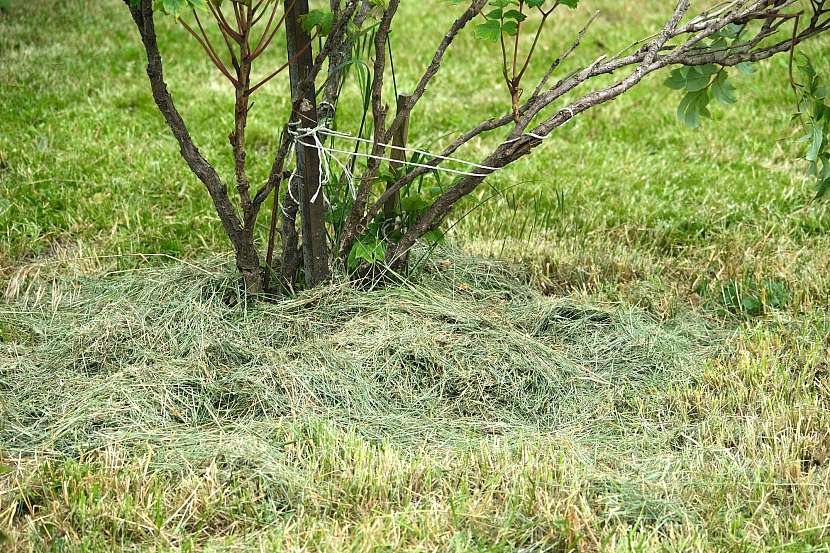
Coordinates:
[387,228]
[746,297]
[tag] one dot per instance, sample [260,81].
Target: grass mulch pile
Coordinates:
[168,357]
[461,410]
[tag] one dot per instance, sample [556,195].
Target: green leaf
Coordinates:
[776,293]
[514,14]
[321,20]
[200,5]
[722,89]
[370,251]
[491,30]
[751,304]
[823,189]
[174,7]
[697,79]
[496,14]
[745,68]
[677,79]
[731,31]
[693,107]
[816,142]
[414,205]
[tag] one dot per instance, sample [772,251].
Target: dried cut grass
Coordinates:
[458,409]
[166,357]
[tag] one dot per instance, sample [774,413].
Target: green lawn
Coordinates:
[630,354]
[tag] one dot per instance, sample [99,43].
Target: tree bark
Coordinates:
[312,200]
[290,251]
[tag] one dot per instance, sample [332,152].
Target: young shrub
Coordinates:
[701,48]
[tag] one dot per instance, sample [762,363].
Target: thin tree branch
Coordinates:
[208,48]
[651,57]
[379,109]
[565,55]
[262,44]
[355,223]
[143,18]
[281,68]
[223,23]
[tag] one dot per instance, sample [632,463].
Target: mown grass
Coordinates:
[686,271]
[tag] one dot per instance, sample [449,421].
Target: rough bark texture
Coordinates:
[290,251]
[312,198]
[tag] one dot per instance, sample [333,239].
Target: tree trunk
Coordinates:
[312,201]
[290,252]
[247,261]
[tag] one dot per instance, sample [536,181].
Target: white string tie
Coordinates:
[346,136]
[326,154]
